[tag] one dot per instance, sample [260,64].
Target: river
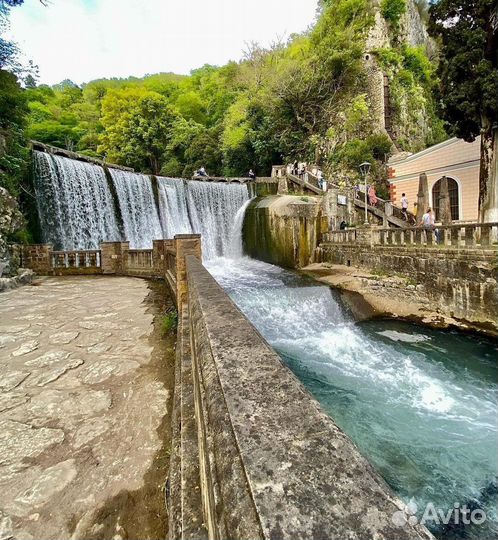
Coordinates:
[420,404]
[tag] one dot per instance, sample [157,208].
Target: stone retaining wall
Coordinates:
[460,283]
[253,455]
[283,230]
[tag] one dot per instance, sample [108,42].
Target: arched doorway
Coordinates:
[454,197]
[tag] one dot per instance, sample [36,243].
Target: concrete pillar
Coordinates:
[159,257]
[112,257]
[185,244]
[283,188]
[444,202]
[329,206]
[38,257]
[422,197]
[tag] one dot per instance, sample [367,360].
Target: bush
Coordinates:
[392,10]
[169,322]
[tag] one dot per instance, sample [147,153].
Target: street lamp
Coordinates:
[364,170]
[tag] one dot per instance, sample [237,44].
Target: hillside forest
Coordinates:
[308,98]
[303,99]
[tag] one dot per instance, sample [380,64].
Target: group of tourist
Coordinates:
[202,172]
[372,199]
[301,170]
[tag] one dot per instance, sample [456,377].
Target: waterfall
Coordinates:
[173,207]
[74,203]
[79,207]
[236,247]
[212,209]
[138,208]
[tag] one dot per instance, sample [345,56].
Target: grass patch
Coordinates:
[169,322]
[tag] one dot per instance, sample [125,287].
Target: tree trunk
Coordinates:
[488,173]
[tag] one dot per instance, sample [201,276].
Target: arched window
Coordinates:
[453,193]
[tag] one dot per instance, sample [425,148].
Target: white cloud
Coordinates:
[88,39]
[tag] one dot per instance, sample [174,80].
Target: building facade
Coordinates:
[453,158]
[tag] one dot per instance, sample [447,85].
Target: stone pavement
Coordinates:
[81,402]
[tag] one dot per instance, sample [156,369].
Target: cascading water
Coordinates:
[173,207]
[420,404]
[77,210]
[207,208]
[74,203]
[138,208]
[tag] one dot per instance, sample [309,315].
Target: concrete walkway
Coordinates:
[83,394]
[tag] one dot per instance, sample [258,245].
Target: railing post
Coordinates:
[470,236]
[185,244]
[38,257]
[455,236]
[159,257]
[112,254]
[419,240]
[485,235]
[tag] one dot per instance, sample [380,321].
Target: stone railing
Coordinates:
[475,235]
[76,262]
[138,262]
[163,261]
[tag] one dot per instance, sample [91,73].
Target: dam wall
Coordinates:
[283,230]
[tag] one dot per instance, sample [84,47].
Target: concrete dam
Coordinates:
[291,419]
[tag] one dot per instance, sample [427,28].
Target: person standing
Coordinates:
[404,206]
[251,174]
[319,178]
[428,224]
[372,196]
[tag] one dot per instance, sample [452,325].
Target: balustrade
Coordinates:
[475,235]
[140,258]
[76,259]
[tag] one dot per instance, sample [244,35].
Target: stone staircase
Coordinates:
[390,214]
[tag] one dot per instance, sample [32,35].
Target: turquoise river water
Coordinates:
[420,404]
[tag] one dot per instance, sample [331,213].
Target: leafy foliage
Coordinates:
[13,152]
[392,11]
[303,99]
[469,62]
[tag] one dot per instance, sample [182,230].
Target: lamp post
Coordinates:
[364,170]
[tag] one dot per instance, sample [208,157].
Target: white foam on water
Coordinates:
[394,335]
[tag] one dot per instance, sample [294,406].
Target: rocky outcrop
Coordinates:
[11,220]
[24,277]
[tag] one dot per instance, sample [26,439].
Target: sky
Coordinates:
[83,40]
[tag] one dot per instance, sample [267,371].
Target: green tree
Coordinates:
[138,126]
[13,152]
[468,35]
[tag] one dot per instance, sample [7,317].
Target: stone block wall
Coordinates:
[283,230]
[37,257]
[461,283]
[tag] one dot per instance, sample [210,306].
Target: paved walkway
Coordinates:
[82,397]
